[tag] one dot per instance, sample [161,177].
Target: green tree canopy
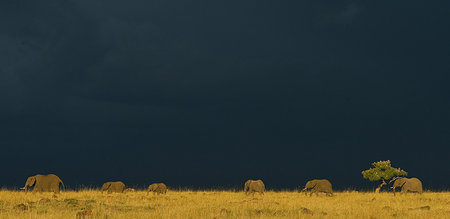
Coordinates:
[382,170]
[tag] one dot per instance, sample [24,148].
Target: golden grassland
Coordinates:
[222,204]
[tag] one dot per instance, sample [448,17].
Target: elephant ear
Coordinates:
[32,180]
[402,182]
[106,186]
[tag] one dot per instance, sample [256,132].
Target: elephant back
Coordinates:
[255,186]
[117,186]
[47,183]
[324,185]
[159,188]
[319,185]
[415,185]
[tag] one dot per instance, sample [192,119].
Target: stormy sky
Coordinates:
[207,94]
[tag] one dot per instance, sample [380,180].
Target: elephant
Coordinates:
[44,183]
[158,188]
[252,186]
[408,185]
[113,187]
[319,185]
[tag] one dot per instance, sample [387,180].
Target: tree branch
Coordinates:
[377,190]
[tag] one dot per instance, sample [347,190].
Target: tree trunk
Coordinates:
[377,190]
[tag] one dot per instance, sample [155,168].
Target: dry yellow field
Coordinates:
[222,204]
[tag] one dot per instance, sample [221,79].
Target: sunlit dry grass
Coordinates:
[223,204]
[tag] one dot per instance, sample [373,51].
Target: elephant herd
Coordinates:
[118,186]
[314,186]
[52,183]
[323,185]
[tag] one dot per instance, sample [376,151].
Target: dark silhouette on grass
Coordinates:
[113,187]
[44,183]
[252,186]
[318,185]
[408,185]
[158,188]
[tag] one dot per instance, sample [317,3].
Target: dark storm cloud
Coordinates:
[213,93]
[41,49]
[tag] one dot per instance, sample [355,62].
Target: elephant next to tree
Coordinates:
[252,186]
[44,183]
[158,188]
[319,185]
[408,185]
[113,187]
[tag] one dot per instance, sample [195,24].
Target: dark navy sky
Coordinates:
[210,93]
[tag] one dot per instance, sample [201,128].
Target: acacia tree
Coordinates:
[382,171]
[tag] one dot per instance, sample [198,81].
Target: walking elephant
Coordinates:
[408,185]
[319,185]
[252,186]
[113,187]
[44,183]
[158,188]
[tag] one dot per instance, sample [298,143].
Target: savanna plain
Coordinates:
[222,204]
